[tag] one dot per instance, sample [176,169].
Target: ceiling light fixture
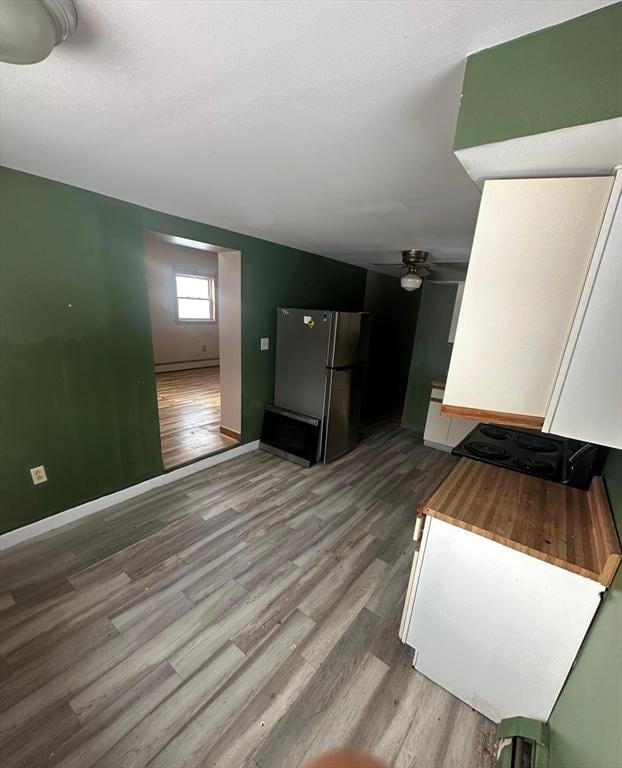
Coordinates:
[417,267]
[31,28]
[411,281]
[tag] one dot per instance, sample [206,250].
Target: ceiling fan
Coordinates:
[417,267]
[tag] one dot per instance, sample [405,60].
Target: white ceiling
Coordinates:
[323,125]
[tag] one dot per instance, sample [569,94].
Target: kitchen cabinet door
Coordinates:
[531,252]
[496,627]
[587,399]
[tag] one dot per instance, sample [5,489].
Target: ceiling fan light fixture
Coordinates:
[31,28]
[411,281]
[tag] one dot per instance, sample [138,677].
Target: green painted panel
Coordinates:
[77,388]
[565,75]
[72,381]
[586,724]
[431,351]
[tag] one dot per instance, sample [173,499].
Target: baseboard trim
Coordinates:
[17,536]
[187,365]
[230,433]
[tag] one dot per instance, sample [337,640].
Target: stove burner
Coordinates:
[496,433]
[535,443]
[542,456]
[533,464]
[487,451]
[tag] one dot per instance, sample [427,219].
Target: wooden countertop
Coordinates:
[564,526]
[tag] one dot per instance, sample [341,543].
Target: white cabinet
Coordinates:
[532,249]
[441,431]
[436,426]
[587,398]
[456,312]
[496,627]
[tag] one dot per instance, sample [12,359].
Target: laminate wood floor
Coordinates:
[189,410]
[244,616]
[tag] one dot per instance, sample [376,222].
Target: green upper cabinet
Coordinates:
[566,75]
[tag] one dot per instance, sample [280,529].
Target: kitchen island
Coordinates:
[507,578]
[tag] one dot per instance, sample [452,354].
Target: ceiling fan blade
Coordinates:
[451,265]
[422,271]
[384,264]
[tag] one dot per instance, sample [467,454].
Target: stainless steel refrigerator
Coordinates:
[319,373]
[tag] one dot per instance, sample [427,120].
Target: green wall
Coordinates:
[77,387]
[565,75]
[586,724]
[431,351]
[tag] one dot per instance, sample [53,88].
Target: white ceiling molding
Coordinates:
[581,150]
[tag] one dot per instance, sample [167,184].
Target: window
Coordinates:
[196,298]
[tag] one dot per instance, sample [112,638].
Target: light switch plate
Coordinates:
[264,344]
[38,475]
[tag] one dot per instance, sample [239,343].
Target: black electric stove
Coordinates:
[554,458]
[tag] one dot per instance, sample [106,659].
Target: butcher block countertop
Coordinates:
[564,526]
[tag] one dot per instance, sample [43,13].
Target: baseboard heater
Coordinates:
[523,743]
[290,435]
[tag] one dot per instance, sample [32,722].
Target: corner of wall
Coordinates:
[565,75]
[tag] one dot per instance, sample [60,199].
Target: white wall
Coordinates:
[230,329]
[178,345]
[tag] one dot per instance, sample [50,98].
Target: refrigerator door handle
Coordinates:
[332,340]
[323,452]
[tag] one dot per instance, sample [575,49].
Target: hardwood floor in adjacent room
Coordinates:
[244,616]
[189,409]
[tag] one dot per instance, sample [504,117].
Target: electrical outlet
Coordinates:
[38,475]
[264,344]
[203,348]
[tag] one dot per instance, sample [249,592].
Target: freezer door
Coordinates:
[342,411]
[348,339]
[301,353]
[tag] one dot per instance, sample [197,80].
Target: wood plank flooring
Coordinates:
[244,616]
[189,410]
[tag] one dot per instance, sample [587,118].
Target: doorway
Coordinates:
[393,321]
[194,301]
